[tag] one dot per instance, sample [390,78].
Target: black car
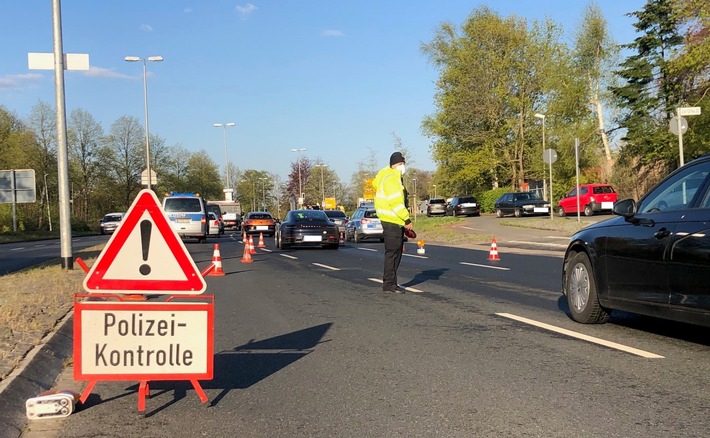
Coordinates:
[653,259]
[463,206]
[436,206]
[338,217]
[521,203]
[308,228]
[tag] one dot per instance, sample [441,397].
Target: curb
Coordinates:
[37,373]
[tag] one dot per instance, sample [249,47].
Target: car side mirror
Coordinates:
[625,208]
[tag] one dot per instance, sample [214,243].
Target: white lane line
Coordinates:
[554,245]
[289,256]
[39,246]
[17,249]
[409,289]
[587,338]
[417,256]
[485,266]
[263,249]
[327,267]
[469,228]
[368,249]
[557,237]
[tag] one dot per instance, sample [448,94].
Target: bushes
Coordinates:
[488,198]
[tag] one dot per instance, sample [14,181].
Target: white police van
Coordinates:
[187,213]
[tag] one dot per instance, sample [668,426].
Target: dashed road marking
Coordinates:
[263,249]
[583,337]
[500,268]
[326,267]
[368,249]
[289,256]
[412,255]
[553,245]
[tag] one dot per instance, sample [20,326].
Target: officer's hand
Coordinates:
[409,226]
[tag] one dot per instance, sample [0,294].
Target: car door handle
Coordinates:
[662,233]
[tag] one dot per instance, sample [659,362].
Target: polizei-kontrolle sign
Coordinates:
[143,340]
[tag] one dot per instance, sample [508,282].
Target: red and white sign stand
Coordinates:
[128,340]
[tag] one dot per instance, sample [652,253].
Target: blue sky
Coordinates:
[337,78]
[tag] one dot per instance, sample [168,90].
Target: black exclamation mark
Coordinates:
[146,227]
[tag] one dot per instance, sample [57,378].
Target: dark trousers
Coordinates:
[394,239]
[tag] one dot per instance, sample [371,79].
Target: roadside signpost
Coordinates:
[549,156]
[144,340]
[17,186]
[679,125]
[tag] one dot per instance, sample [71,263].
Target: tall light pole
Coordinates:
[415,206]
[46,192]
[300,189]
[145,105]
[544,181]
[322,187]
[263,193]
[228,187]
[434,185]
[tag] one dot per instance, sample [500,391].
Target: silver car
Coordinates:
[110,222]
[364,224]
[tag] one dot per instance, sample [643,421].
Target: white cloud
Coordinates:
[332,33]
[100,72]
[146,28]
[246,9]
[187,11]
[18,82]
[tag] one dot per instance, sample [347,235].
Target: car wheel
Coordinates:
[453,212]
[276,242]
[560,212]
[499,212]
[588,210]
[581,291]
[518,212]
[382,239]
[333,246]
[285,246]
[356,239]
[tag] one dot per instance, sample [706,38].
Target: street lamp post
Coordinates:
[434,185]
[300,188]
[145,105]
[226,159]
[322,187]
[544,181]
[263,193]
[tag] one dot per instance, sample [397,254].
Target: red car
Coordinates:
[593,198]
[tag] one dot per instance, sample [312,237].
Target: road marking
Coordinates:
[263,249]
[289,256]
[557,237]
[368,249]
[583,337]
[327,267]
[412,255]
[472,229]
[485,266]
[40,246]
[407,288]
[554,245]
[16,249]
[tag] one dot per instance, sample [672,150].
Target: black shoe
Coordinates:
[394,290]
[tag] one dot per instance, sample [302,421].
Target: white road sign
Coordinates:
[689,111]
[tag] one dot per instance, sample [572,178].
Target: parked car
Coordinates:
[436,206]
[521,203]
[338,217]
[364,224]
[651,259]
[110,222]
[257,222]
[214,208]
[307,228]
[463,206]
[593,198]
[216,229]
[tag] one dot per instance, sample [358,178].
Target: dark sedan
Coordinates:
[652,259]
[521,203]
[307,228]
[463,206]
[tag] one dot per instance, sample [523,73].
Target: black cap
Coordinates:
[395,158]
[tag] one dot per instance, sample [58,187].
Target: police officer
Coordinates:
[391,210]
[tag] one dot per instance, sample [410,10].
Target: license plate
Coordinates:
[182,221]
[540,210]
[312,238]
[607,205]
[262,227]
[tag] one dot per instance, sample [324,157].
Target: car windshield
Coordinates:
[603,189]
[309,215]
[183,205]
[437,201]
[260,216]
[467,199]
[527,196]
[112,218]
[371,214]
[335,214]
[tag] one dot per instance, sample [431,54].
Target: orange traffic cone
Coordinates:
[261,241]
[246,258]
[217,262]
[251,245]
[493,255]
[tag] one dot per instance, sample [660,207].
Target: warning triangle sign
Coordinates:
[145,255]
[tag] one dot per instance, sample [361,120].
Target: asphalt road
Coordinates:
[307,344]
[21,255]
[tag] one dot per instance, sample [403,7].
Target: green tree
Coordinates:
[203,176]
[126,157]
[85,141]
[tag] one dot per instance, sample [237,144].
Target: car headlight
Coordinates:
[528,206]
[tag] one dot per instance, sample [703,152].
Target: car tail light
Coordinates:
[366,221]
[203,220]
